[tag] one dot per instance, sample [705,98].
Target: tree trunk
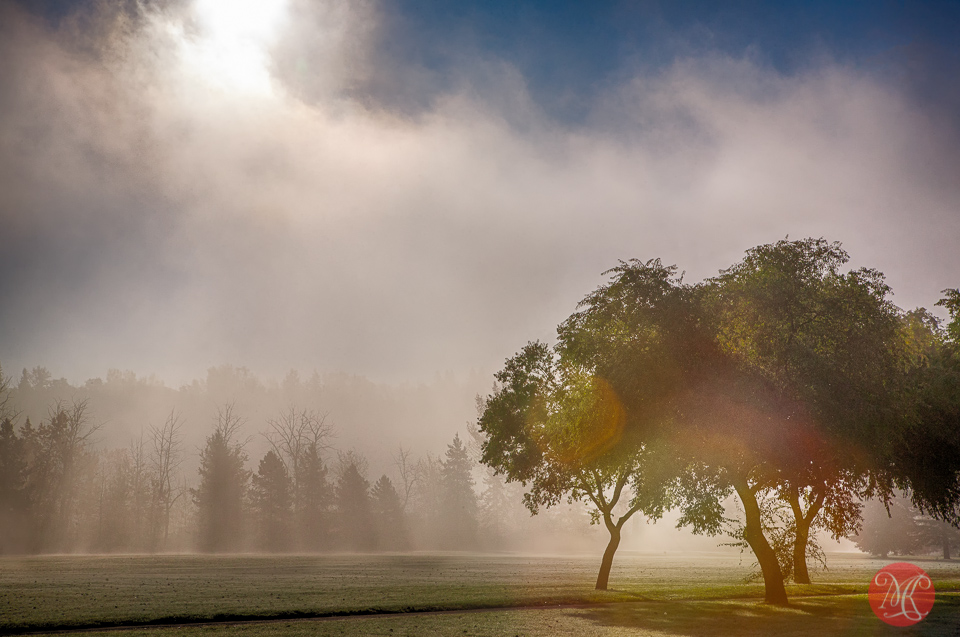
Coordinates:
[802,523]
[774,590]
[946,544]
[800,573]
[607,562]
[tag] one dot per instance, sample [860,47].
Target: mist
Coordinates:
[393,231]
[164,216]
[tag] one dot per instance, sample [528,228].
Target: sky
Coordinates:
[402,189]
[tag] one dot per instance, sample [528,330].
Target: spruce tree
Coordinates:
[13,495]
[272,500]
[313,499]
[354,515]
[223,482]
[458,504]
[388,512]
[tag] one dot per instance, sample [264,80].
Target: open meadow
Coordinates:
[657,594]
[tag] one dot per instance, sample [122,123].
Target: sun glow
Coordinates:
[232,46]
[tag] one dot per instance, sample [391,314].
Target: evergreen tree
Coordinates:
[272,502]
[388,512]
[424,514]
[354,514]
[14,509]
[458,504]
[298,436]
[313,498]
[495,506]
[223,481]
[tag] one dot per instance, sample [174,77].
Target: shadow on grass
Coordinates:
[808,616]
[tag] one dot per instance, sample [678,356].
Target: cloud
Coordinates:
[158,220]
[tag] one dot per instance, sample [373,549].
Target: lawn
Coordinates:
[666,594]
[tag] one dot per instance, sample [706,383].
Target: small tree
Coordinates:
[355,520]
[166,454]
[299,437]
[409,476]
[313,499]
[14,501]
[272,502]
[57,452]
[388,513]
[223,483]
[458,503]
[824,352]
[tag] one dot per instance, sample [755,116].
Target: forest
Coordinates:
[205,477]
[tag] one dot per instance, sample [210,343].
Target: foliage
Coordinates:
[927,451]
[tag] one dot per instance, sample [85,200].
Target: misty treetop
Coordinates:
[797,386]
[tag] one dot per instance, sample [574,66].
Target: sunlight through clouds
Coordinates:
[232,47]
[215,161]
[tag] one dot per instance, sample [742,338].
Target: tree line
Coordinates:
[795,387]
[59,492]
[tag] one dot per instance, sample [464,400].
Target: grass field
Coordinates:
[702,594]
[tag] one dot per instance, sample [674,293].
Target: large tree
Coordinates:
[824,351]
[573,421]
[926,453]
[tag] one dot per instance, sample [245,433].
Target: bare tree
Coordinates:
[299,437]
[140,489]
[6,409]
[292,434]
[166,455]
[409,476]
